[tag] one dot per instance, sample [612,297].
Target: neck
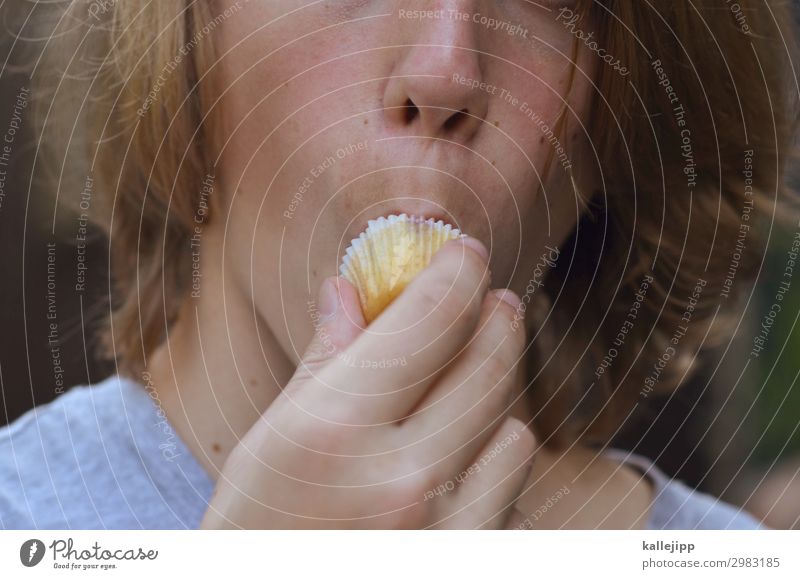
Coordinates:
[219,369]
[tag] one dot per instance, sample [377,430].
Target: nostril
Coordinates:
[455,120]
[411,111]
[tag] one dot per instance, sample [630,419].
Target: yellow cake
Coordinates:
[384,259]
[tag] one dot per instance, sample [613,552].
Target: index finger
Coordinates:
[425,327]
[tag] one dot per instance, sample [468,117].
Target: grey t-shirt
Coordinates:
[105,457]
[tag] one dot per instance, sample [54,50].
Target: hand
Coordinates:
[422,442]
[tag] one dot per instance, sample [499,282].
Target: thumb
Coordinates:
[338,321]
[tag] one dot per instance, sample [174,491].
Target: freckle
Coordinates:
[541,140]
[574,136]
[366,121]
[494,163]
[252,382]
[497,124]
[216,447]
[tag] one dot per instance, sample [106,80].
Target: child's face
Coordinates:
[316,92]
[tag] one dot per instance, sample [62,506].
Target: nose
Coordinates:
[429,92]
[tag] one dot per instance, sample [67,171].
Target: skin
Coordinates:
[294,434]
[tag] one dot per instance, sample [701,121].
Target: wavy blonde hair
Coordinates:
[150,157]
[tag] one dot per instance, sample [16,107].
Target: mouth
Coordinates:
[386,258]
[418,210]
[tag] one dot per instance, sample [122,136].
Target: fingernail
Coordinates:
[476,246]
[509,297]
[328,300]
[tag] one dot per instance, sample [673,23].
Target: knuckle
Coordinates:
[406,474]
[497,365]
[403,501]
[449,293]
[409,516]
[461,269]
[466,260]
[320,436]
[416,483]
[499,348]
[454,250]
[469,273]
[527,439]
[512,343]
[442,301]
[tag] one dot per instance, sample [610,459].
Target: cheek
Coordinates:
[531,110]
[294,107]
[293,134]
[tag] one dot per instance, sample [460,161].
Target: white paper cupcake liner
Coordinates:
[384,259]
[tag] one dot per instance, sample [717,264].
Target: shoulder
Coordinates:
[675,505]
[93,458]
[34,449]
[77,410]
